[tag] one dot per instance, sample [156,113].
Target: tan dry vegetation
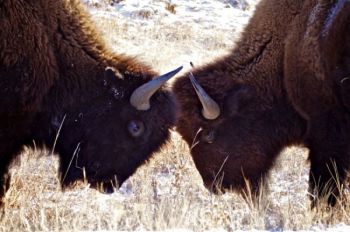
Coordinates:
[165,45]
[167,192]
[170,7]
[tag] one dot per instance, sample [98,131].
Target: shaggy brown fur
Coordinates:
[258,118]
[317,65]
[53,69]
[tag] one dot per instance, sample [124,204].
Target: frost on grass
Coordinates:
[166,193]
[199,31]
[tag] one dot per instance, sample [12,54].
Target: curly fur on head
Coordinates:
[279,86]
[53,66]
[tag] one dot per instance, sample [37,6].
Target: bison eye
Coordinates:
[136,128]
[209,136]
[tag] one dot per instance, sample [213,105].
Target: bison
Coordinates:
[281,85]
[60,86]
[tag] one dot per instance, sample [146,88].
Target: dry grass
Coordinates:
[165,44]
[167,192]
[170,7]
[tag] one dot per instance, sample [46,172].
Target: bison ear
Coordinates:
[239,99]
[111,74]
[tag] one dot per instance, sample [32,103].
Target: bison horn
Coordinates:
[141,96]
[211,109]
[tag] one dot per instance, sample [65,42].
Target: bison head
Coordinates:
[234,132]
[108,136]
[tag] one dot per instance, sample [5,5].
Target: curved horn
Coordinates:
[211,109]
[141,96]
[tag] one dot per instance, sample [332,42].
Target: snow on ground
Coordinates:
[198,30]
[206,14]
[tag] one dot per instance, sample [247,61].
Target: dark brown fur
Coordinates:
[317,65]
[53,65]
[258,116]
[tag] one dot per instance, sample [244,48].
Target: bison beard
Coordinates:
[284,83]
[59,81]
